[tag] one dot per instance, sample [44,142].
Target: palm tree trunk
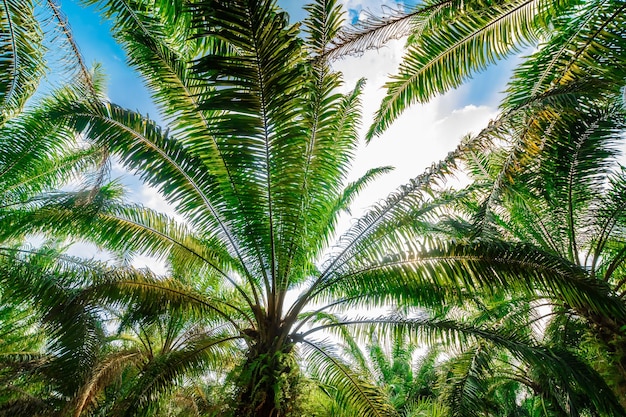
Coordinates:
[608,333]
[268,382]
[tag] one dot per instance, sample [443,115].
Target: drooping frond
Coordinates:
[107,371]
[354,395]
[68,60]
[563,367]
[454,270]
[73,328]
[466,386]
[21,56]
[375,31]
[586,46]
[463,40]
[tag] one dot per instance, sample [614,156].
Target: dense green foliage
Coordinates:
[502,298]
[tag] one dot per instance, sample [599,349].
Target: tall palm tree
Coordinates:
[555,184]
[255,157]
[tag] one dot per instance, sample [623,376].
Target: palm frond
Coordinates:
[374,31]
[457,44]
[21,56]
[156,376]
[346,387]
[453,271]
[105,373]
[585,46]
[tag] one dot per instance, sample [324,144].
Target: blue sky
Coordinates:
[125,88]
[96,44]
[424,134]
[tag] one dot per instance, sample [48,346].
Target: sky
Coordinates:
[422,135]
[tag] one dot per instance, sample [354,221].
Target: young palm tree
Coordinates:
[259,152]
[141,357]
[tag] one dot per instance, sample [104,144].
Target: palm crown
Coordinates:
[255,157]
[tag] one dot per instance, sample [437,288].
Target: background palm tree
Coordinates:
[48,340]
[566,200]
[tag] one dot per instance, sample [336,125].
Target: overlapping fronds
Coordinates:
[560,367]
[254,155]
[576,43]
[455,271]
[106,372]
[51,287]
[354,395]
[37,155]
[158,374]
[586,46]
[36,36]
[467,385]
[457,43]
[21,56]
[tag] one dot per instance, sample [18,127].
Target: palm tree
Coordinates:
[41,365]
[390,361]
[141,356]
[564,198]
[485,378]
[255,156]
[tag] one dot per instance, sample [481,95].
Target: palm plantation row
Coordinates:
[503,297]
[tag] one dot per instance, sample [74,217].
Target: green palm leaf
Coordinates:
[352,394]
[21,56]
[461,41]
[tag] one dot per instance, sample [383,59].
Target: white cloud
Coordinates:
[152,198]
[155,265]
[423,134]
